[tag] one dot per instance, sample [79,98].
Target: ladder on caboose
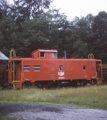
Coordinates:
[16,83]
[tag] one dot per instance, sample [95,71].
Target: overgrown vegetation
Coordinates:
[8,118]
[27,25]
[89,97]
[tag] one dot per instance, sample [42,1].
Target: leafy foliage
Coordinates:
[28,25]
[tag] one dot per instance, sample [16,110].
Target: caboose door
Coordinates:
[18,70]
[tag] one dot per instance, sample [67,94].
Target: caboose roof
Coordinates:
[42,50]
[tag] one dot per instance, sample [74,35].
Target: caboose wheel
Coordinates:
[93,82]
[24,85]
[59,85]
[82,83]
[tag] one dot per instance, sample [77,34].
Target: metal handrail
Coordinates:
[12,51]
[91,56]
[101,71]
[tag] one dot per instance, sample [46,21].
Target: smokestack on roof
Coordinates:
[65,54]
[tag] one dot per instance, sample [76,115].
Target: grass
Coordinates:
[87,97]
[8,118]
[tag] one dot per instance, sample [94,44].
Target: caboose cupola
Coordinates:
[44,54]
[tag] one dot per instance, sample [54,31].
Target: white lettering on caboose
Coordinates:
[61,73]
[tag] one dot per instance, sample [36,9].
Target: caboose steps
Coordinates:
[17,84]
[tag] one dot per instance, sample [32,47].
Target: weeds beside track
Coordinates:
[87,97]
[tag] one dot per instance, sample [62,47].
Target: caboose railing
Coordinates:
[91,56]
[12,53]
[16,83]
[101,71]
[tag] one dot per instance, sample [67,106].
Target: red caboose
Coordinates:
[44,68]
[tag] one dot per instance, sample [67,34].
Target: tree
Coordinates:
[23,10]
[4,8]
[59,32]
[99,28]
[78,38]
[8,33]
[36,32]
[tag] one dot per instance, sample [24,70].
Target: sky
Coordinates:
[80,8]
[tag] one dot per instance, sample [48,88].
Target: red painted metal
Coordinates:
[45,66]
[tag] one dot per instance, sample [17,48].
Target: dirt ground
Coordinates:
[50,112]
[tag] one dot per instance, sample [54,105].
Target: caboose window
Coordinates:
[53,55]
[84,67]
[26,67]
[42,54]
[60,67]
[36,67]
